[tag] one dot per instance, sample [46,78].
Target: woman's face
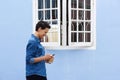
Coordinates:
[42,32]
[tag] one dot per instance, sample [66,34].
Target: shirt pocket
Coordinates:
[39,51]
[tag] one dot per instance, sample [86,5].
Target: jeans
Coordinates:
[35,77]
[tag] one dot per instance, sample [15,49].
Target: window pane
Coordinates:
[40,15]
[40,4]
[73,37]
[81,26]
[54,14]
[54,3]
[49,22]
[87,26]
[52,36]
[47,14]
[47,3]
[81,37]
[74,26]
[87,15]
[45,39]
[54,22]
[81,15]
[74,3]
[81,4]
[87,37]
[87,4]
[74,14]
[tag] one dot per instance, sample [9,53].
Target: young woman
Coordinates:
[35,53]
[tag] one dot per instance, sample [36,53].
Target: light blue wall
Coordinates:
[100,64]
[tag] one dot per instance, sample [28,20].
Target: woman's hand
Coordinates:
[50,59]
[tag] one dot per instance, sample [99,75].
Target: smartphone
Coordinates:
[53,54]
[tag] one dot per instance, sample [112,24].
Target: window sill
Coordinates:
[70,47]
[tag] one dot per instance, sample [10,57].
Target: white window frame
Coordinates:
[87,44]
[83,45]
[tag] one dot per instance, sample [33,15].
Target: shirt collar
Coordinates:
[36,38]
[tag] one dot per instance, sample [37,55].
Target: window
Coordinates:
[72,23]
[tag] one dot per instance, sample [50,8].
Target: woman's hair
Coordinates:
[42,25]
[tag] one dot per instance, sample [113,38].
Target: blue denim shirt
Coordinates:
[34,49]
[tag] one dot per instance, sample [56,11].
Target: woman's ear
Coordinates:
[39,29]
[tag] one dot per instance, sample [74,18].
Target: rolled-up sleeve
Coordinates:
[30,52]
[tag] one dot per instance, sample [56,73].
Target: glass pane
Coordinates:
[74,14]
[40,15]
[87,15]
[81,26]
[47,3]
[73,37]
[49,22]
[87,37]
[46,38]
[81,37]
[54,14]
[81,15]
[74,26]
[52,36]
[54,3]
[40,4]
[54,22]
[87,26]
[47,14]
[81,4]
[73,3]
[87,4]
